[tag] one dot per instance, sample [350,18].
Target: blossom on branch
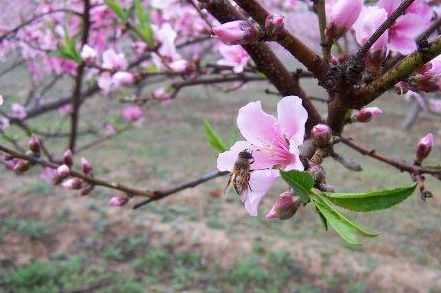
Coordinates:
[274,143]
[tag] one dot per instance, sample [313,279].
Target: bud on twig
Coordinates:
[86,166]
[67,158]
[21,166]
[88,189]
[34,144]
[274,24]
[424,147]
[63,171]
[318,172]
[237,32]
[284,207]
[73,183]
[118,201]
[401,88]
[366,114]
[321,134]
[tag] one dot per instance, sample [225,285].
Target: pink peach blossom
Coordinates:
[343,13]
[132,113]
[114,61]
[368,22]
[17,111]
[274,143]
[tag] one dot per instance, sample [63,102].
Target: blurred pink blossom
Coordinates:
[122,78]
[17,111]
[88,54]
[133,114]
[114,61]
[274,143]
[118,201]
[234,56]
[342,14]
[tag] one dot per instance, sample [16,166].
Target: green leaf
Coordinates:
[344,226]
[145,28]
[116,7]
[322,219]
[300,181]
[213,138]
[68,50]
[371,201]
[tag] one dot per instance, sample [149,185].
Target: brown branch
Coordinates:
[28,22]
[297,48]
[266,61]
[400,165]
[76,101]
[397,73]
[166,192]
[383,27]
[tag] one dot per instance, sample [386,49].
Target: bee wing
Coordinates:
[234,190]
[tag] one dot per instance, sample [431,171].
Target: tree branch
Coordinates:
[266,61]
[400,71]
[76,101]
[297,48]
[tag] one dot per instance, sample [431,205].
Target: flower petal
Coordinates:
[256,126]
[402,44]
[296,163]
[292,118]
[260,183]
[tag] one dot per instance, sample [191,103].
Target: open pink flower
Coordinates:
[274,143]
[403,32]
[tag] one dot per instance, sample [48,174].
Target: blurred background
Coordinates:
[53,240]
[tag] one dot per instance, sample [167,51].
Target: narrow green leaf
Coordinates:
[300,181]
[371,201]
[323,204]
[145,28]
[68,50]
[116,7]
[322,219]
[213,138]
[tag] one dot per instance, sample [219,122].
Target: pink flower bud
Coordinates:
[180,66]
[424,147]
[401,88]
[321,134]
[161,94]
[122,78]
[18,112]
[67,157]
[21,166]
[88,54]
[274,24]
[88,189]
[63,171]
[73,183]
[118,201]
[284,207]
[132,113]
[34,144]
[237,32]
[366,114]
[344,13]
[86,166]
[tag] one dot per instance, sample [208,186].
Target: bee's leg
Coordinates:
[252,161]
[248,182]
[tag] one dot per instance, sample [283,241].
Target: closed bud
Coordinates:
[366,114]
[424,147]
[21,166]
[86,166]
[274,24]
[401,88]
[318,173]
[237,32]
[73,183]
[118,201]
[63,171]
[284,207]
[321,134]
[34,144]
[88,189]
[67,157]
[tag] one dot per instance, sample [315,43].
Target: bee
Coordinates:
[240,175]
